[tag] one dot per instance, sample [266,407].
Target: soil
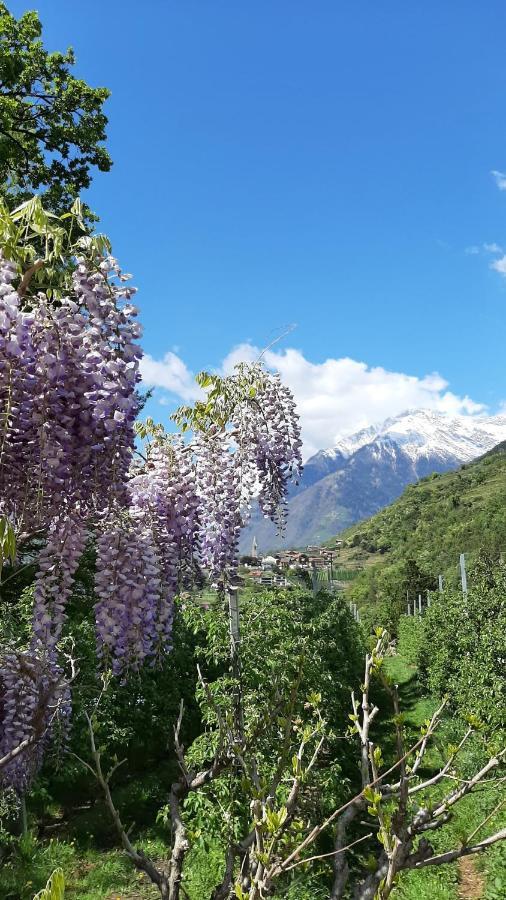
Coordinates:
[472,884]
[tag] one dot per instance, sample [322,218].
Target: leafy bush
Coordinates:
[462,651]
[411,636]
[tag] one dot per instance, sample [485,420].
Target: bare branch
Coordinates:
[27,277]
[140,860]
[452,855]
[301,862]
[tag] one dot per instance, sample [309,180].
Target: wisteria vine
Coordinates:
[68,402]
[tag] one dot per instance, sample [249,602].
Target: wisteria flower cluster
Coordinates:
[222,499]
[188,503]
[68,400]
[68,373]
[269,444]
[33,694]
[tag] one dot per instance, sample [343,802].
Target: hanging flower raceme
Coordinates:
[130,608]
[58,562]
[218,478]
[68,376]
[18,383]
[145,556]
[111,362]
[269,444]
[163,496]
[33,697]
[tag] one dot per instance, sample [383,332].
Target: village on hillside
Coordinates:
[275,569]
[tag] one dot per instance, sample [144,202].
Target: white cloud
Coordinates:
[500,179]
[336,397]
[499,265]
[493,248]
[172,374]
[472,251]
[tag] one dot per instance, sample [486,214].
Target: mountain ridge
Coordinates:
[366,471]
[426,529]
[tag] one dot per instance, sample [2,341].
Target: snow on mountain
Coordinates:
[425,433]
[368,470]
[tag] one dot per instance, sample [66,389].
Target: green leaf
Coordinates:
[55,888]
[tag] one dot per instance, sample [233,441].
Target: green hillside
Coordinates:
[408,544]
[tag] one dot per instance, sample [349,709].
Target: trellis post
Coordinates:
[314,579]
[235,640]
[463,573]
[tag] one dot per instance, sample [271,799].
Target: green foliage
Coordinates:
[462,649]
[425,530]
[52,124]
[300,656]
[89,874]
[44,245]
[411,635]
[223,395]
[203,869]
[54,889]
[7,543]
[284,632]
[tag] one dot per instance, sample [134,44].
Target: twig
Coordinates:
[452,855]
[301,862]
[490,816]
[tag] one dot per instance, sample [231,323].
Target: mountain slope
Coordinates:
[365,472]
[434,521]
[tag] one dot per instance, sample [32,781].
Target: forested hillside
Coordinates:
[420,536]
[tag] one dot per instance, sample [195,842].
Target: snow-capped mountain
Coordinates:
[365,471]
[425,433]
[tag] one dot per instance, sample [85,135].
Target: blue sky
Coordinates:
[324,164]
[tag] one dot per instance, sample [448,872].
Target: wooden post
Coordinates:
[440,580]
[463,574]
[314,580]
[428,598]
[420,604]
[24,817]
[233,609]
[235,640]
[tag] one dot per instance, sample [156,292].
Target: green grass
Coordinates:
[90,874]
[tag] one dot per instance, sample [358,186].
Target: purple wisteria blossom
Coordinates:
[68,401]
